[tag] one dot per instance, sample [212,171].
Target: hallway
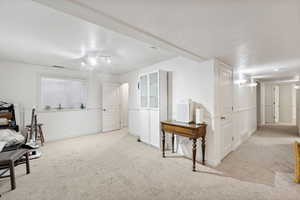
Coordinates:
[266,158]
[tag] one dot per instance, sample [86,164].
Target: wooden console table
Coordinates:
[192,131]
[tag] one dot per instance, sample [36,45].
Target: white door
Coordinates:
[286,104]
[269,104]
[276,103]
[225,106]
[111,107]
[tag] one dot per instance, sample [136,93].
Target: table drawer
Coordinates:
[185,131]
[168,128]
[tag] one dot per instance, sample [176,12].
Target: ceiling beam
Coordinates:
[100,18]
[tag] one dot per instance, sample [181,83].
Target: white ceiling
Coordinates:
[255,36]
[36,34]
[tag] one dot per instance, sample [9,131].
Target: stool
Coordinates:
[10,159]
[39,135]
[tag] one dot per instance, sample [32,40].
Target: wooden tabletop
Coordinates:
[182,124]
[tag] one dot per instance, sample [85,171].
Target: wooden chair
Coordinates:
[297,161]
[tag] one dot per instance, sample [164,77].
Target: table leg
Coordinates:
[12,175]
[27,163]
[173,143]
[163,143]
[194,154]
[203,150]
[41,135]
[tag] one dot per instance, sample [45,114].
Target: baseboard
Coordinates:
[213,163]
[243,138]
[237,144]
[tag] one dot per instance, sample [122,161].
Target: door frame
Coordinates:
[217,118]
[102,103]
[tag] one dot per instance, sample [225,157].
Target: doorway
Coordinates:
[111,107]
[225,88]
[280,104]
[124,89]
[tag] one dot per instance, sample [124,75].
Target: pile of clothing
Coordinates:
[9,138]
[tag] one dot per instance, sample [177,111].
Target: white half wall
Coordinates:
[245,108]
[19,84]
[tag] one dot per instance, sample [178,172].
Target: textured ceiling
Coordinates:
[36,34]
[254,36]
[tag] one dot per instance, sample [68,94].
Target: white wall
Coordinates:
[258,104]
[196,81]
[286,107]
[19,83]
[298,109]
[189,80]
[244,114]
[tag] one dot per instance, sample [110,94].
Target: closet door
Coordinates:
[154,90]
[225,92]
[144,91]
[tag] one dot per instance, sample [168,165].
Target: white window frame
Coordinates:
[55,76]
[148,90]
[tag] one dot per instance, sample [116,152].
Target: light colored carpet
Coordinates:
[264,156]
[115,166]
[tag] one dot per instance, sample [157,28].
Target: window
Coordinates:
[63,93]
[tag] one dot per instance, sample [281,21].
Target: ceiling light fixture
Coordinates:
[252,84]
[276,69]
[296,87]
[108,60]
[92,59]
[240,81]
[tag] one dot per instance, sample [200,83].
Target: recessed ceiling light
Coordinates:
[252,84]
[92,60]
[240,81]
[276,69]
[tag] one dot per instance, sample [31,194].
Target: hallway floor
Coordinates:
[266,158]
[114,166]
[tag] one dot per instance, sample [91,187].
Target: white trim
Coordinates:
[41,75]
[245,109]
[243,138]
[213,162]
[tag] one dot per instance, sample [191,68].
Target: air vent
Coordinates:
[58,67]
